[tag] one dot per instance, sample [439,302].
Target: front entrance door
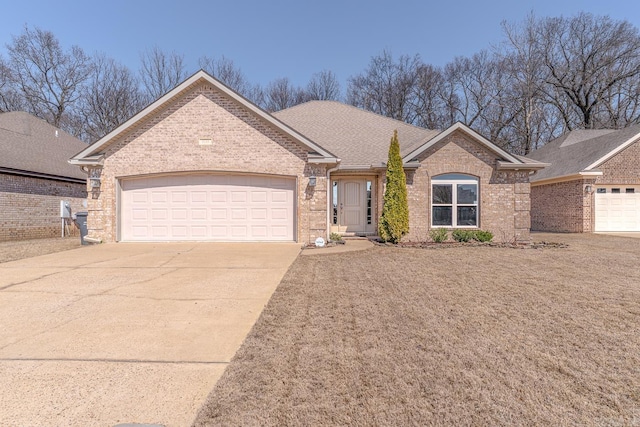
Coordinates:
[352,206]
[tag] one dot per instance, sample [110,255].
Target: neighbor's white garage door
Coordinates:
[617,208]
[207,207]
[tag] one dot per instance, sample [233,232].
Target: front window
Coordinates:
[454,201]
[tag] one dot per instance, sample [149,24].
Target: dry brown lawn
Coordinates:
[458,336]
[11,251]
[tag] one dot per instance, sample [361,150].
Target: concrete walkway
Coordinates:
[350,245]
[127,333]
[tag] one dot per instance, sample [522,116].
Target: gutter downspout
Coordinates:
[329,195]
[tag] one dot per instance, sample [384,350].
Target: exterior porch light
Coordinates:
[94,180]
[312,181]
[588,188]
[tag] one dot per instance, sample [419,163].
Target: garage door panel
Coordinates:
[198,214]
[178,197]
[259,214]
[158,197]
[199,197]
[208,207]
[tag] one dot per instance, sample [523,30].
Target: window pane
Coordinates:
[442,194]
[467,194]
[467,215]
[442,215]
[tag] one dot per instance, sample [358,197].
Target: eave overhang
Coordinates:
[571,177]
[31,174]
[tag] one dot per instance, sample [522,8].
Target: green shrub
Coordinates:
[394,221]
[460,235]
[335,237]
[483,236]
[438,235]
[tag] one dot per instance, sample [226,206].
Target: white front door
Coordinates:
[617,208]
[352,205]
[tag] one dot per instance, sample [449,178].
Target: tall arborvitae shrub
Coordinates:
[394,222]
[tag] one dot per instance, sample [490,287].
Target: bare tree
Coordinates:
[324,86]
[226,71]
[111,96]
[160,71]
[281,94]
[10,99]
[593,63]
[46,77]
[387,87]
[435,107]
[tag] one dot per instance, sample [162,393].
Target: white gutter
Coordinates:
[565,178]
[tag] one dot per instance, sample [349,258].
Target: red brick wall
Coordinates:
[167,141]
[504,195]
[562,207]
[30,207]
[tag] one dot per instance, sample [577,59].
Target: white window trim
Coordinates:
[454,201]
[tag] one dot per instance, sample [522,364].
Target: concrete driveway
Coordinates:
[127,333]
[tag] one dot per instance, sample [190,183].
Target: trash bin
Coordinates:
[81,222]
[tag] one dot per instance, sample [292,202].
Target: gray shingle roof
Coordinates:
[358,137]
[575,151]
[30,144]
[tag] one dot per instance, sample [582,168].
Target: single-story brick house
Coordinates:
[592,184]
[35,177]
[204,163]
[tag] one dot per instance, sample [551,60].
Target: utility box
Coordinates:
[65,209]
[81,222]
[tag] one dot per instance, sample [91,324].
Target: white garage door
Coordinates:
[207,207]
[617,208]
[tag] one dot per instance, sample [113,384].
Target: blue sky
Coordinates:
[283,38]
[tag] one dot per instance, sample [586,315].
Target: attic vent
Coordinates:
[205,142]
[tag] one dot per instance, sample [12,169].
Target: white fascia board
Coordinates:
[97,160]
[202,75]
[323,160]
[613,152]
[564,178]
[460,126]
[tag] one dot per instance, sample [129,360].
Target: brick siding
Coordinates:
[30,207]
[562,207]
[504,195]
[167,142]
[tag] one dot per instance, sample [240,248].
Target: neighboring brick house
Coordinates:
[592,184]
[35,176]
[204,163]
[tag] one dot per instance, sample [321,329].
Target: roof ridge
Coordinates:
[359,109]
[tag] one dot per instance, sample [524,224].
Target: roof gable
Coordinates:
[582,151]
[30,145]
[470,132]
[92,153]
